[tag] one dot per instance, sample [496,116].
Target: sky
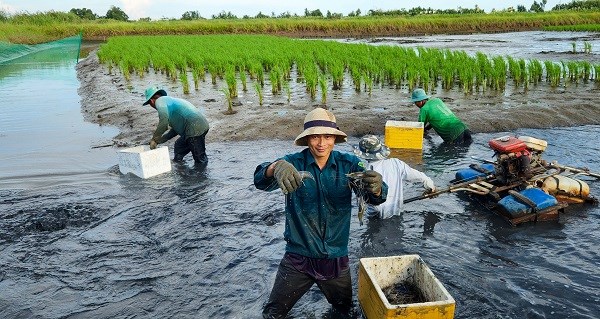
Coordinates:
[159,9]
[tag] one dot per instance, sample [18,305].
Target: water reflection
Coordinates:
[42,131]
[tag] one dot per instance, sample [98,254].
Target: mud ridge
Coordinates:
[107,99]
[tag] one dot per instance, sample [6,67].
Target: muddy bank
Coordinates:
[108,99]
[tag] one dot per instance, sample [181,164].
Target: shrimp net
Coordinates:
[11,53]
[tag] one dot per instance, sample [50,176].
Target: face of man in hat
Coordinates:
[320,145]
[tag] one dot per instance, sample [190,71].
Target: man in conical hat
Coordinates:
[318,213]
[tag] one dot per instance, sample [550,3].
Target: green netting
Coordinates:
[66,47]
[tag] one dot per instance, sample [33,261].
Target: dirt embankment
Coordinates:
[107,99]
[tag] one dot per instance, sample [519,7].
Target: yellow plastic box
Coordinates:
[404,134]
[412,157]
[378,273]
[144,162]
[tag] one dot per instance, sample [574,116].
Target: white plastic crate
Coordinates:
[144,162]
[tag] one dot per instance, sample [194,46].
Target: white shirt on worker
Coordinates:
[394,172]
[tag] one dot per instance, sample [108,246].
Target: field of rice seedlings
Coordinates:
[270,61]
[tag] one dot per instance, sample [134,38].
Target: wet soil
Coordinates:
[108,99]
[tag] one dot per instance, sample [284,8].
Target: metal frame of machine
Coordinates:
[520,185]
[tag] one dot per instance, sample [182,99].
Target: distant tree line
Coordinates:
[579,5]
[538,7]
[421,11]
[116,13]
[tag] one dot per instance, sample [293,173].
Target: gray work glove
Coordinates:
[429,186]
[153,144]
[373,182]
[287,176]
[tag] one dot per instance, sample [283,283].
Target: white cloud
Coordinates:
[7,8]
[136,9]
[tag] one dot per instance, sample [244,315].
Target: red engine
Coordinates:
[513,159]
[507,144]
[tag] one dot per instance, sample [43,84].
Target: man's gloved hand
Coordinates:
[429,187]
[287,176]
[153,144]
[373,182]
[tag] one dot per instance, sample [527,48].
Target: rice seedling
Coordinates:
[337,74]
[288,91]
[573,68]
[125,71]
[234,58]
[586,70]
[231,82]
[229,101]
[498,73]
[412,77]
[565,71]
[311,79]
[356,78]
[483,72]
[368,83]
[197,69]
[587,47]
[275,79]
[260,76]
[525,76]
[259,93]
[535,71]
[184,81]
[323,87]
[553,73]
[243,80]
[172,72]
[214,73]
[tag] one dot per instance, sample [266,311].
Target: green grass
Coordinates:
[48,27]
[578,27]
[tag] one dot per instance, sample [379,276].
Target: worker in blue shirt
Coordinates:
[184,119]
[318,212]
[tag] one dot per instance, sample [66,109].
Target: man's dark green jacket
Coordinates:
[318,213]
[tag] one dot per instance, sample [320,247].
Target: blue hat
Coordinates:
[418,95]
[151,91]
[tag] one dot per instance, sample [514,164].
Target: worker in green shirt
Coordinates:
[435,114]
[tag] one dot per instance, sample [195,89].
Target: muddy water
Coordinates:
[553,46]
[80,240]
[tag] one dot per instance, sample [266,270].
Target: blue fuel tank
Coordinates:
[515,208]
[467,174]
